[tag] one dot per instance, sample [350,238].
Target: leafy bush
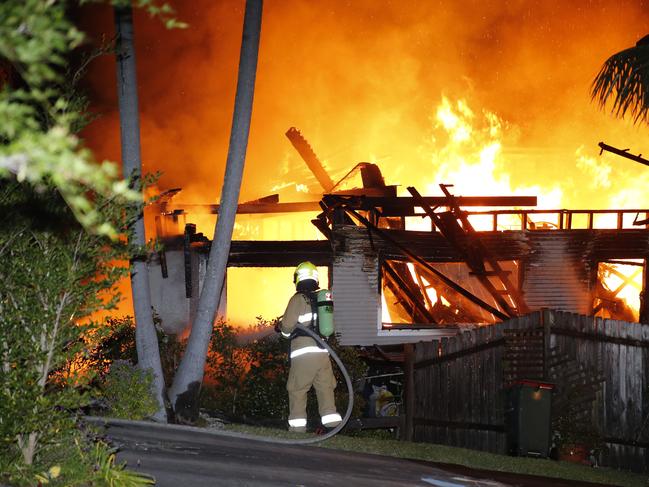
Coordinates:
[127,392]
[116,341]
[55,205]
[53,273]
[77,462]
[246,369]
[248,380]
[41,108]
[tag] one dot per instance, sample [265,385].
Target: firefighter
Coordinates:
[310,363]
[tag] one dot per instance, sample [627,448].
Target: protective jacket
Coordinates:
[310,366]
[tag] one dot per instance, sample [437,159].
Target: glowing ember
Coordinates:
[621,283]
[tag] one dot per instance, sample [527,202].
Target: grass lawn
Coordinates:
[372,442]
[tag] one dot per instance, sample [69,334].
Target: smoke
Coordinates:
[363,79]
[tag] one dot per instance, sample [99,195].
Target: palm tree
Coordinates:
[624,80]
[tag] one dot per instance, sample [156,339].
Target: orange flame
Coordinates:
[364,80]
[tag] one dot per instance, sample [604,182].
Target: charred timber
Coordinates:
[252,207]
[623,153]
[258,253]
[391,206]
[311,159]
[244,253]
[591,245]
[406,206]
[475,253]
[372,229]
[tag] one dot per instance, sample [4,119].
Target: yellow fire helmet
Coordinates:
[304,271]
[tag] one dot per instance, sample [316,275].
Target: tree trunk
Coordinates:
[186,386]
[146,339]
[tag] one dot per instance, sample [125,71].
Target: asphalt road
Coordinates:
[185,456]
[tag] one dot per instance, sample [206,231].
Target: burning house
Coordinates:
[455,288]
[452,292]
[397,282]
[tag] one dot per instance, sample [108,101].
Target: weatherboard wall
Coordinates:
[558,271]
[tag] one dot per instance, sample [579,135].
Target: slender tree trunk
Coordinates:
[186,386]
[146,339]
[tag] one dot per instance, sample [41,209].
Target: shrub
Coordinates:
[248,380]
[116,341]
[79,461]
[263,388]
[246,369]
[53,273]
[127,392]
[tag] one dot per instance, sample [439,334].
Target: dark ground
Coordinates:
[184,456]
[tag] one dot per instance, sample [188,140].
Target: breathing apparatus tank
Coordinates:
[325,304]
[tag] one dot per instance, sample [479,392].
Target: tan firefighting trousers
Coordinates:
[307,370]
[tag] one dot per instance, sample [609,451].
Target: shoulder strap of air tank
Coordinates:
[313,299]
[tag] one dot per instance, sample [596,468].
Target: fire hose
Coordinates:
[286,441]
[350,396]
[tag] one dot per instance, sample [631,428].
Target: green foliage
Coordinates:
[107,472]
[76,462]
[53,273]
[56,207]
[36,142]
[249,379]
[115,340]
[246,369]
[572,423]
[40,108]
[127,391]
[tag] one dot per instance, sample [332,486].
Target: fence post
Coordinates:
[546,322]
[409,372]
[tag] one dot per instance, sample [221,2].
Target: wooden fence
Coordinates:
[459,382]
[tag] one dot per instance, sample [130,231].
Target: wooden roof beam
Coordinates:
[250,208]
[309,156]
[443,278]
[406,206]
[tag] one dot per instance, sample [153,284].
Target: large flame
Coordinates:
[491,97]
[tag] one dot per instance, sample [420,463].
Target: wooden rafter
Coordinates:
[464,238]
[405,292]
[444,279]
[309,156]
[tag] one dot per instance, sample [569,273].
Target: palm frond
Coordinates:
[623,81]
